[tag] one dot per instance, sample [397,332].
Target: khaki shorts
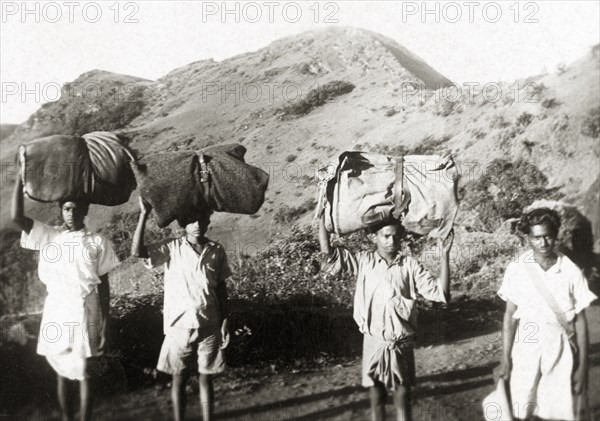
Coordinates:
[181,345]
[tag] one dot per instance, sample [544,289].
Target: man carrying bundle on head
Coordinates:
[385,309]
[74,263]
[195,307]
[386,195]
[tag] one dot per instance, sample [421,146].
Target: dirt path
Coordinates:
[452,380]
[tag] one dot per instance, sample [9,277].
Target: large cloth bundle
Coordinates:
[183,186]
[366,189]
[94,167]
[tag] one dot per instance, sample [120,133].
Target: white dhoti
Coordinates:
[70,333]
[540,381]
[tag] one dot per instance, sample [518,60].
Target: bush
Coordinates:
[286,214]
[289,268]
[503,190]
[444,108]
[499,122]
[391,112]
[20,289]
[524,119]
[121,228]
[106,112]
[315,98]
[429,145]
[591,123]
[399,150]
[550,103]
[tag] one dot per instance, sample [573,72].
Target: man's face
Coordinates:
[542,240]
[73,214]
[388,238]
[197,229]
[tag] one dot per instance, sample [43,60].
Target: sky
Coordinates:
[46,44]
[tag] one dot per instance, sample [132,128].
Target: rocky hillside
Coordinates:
[302,100]
[6,130]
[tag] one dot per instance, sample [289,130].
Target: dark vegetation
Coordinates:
[503,190]
[315,98]
[427,146]
[290,214]
[106,107]
[591,123]
[18,280]
[120,231]
[112,110]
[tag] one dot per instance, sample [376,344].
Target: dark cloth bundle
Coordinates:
[177,188]
[94,168]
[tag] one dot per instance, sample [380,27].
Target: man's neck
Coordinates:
[388,257]
[546,262]
[73,228]
[196,240]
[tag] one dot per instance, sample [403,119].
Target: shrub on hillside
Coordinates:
[524,119]
[591,123]
[120,231]
[289,267]
[503,190]
[110,110]
[289,214]
[550,103]
[479,261]
[429,145]
[315,98]
[20,289]
[445,107]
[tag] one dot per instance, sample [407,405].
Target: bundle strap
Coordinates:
[401,196]
[551,301]
[205,179]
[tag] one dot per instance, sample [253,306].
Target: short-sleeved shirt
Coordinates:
[191,281]
[70,264]
[564,280]
[385,297]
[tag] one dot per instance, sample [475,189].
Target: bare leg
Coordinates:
[65,398]
[403,403]
[378,394]
[85,393]
[178,396]
[206,396]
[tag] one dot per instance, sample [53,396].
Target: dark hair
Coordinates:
[83,203]
[373,229]
[204,216]
[539,216]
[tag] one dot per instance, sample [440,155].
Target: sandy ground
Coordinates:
[452,380]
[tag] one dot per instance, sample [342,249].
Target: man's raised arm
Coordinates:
[138,248]
[17,212]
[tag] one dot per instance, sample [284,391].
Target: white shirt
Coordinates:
[70,264]
[191,280]
[564,280]
[385,297]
